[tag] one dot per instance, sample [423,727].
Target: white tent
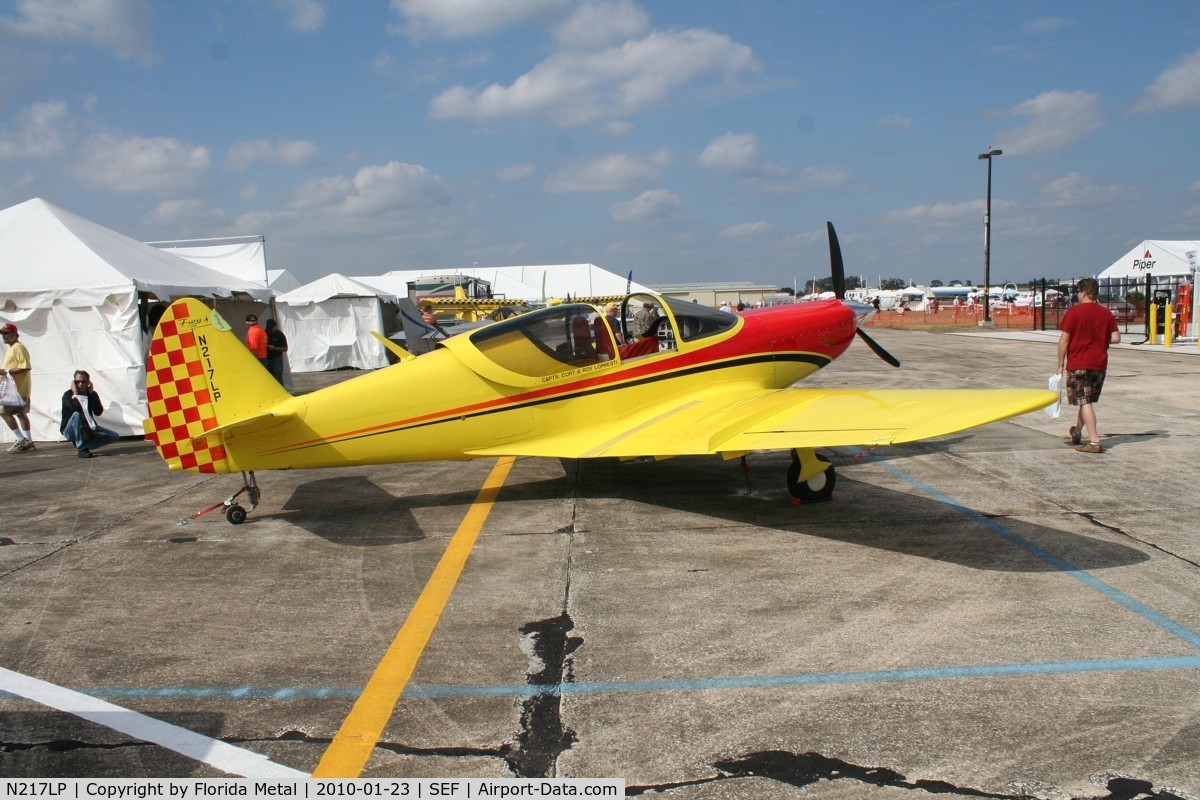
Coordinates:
[530,283]
[243,257]
[1155,257]
[280,281]
[328,324]
[1170,263]
[73,288]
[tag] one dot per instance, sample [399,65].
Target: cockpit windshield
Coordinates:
[562,338]
[697,321]
[542,343]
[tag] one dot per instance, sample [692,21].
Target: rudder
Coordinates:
[199,377]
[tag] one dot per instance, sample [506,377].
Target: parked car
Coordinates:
[1122,310]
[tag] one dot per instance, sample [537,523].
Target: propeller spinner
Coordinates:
[838,272]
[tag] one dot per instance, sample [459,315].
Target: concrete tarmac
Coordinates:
[990,614]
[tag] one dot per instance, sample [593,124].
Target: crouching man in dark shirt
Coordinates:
[80,407]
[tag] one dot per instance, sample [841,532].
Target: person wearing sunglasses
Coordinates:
[80,407]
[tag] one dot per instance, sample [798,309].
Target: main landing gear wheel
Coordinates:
[810,478]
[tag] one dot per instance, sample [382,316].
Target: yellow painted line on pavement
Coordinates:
[347,754]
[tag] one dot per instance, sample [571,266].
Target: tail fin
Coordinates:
[201,379]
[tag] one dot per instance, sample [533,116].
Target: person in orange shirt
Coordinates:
[256,339]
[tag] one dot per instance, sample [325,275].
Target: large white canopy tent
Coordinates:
[532,284]
[242,257]
[1155,257]
[328,324]
[79,293]
[1172,263]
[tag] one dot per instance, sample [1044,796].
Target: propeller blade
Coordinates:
[837,268]
[877,348]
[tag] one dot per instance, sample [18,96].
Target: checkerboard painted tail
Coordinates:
[200,378]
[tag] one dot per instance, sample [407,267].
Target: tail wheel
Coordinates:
[814,490]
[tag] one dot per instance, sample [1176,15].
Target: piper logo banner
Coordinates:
[1145,263]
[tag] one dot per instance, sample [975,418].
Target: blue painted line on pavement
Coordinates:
[1184,633]
[291,693]
[1083,576]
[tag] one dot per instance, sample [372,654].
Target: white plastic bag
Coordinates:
[8,392]
[1054,385]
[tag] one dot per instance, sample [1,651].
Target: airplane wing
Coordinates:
[778,419]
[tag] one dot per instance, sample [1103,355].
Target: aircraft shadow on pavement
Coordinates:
[354,511]
[863,514]
[1001,438]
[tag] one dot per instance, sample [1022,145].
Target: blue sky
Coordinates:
[685,141]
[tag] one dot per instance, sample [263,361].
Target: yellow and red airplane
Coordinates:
[558,382]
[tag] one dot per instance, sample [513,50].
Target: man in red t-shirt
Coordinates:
[1087,331]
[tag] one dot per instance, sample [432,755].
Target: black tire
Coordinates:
[817,488]
[235,514]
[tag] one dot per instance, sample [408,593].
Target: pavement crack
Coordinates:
[65,745]
[449,751]
[805,769]
[543,736]
[802,769]
[1122,532]
[1133,789]
[115,524]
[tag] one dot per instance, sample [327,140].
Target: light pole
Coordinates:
[987,237]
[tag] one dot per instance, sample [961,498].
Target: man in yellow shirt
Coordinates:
[17,366]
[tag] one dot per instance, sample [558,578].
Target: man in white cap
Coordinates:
[17,366]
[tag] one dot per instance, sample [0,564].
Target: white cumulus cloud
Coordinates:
[454,19]
[938,212]
[286,152]
[655,205]
[745,230]
[135,164]
[302,15]
[1059,120]
[188,215]
[1177,87]
[733,152]
[598,24]
[375,190]
[613,173]
[43,131]
[122,26]
[1075,191]
[511,173]
[574,87]
[1044,25]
